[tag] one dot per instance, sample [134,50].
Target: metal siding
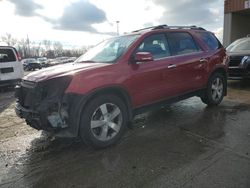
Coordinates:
[234,5]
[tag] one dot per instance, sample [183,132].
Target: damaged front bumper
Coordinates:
[45,106]
[35,119]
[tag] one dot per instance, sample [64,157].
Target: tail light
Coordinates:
[18,57]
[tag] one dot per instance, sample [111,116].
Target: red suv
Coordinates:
[96,96]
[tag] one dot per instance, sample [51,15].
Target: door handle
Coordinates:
[203,60]
[171,66]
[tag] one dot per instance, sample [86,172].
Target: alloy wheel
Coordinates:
[106,121]
[217,89]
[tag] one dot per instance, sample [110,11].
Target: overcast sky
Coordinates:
[87,22]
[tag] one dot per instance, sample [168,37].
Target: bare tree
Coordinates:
[58,48]
[38,49]
[47,44]
[27,48]
[9,40]
[23,48]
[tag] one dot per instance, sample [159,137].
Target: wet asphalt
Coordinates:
[183,145]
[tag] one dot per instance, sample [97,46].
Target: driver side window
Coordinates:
[155,44]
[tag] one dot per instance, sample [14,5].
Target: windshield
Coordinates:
[31,61]
[239,46]
[109,50]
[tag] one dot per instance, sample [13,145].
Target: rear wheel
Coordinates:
[103,121]
[215,90]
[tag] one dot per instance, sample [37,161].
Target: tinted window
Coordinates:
[181,43]
[210,40]
[7,55]
[155,44]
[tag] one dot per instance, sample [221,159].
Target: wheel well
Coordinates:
[119,92]
[222,71]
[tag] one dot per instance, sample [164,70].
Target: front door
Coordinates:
[148,81]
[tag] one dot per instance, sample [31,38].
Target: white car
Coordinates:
[11,68]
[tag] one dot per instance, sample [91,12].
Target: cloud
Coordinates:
[26,8]
[219,33]
[148,24]
[190,12]
[79,16]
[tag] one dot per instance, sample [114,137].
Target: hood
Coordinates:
[61,70]
[246,53]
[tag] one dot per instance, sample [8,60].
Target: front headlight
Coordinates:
[54,88]
[245,61]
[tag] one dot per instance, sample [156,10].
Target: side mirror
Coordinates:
[141,57]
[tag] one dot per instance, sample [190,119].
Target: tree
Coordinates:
[27,48]
[47,44]
[9,40]
[58,48]
[22,47]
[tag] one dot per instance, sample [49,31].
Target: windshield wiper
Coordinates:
[88,61]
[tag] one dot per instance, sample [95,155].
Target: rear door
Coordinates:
[10,67]
[216,54]
[189,61]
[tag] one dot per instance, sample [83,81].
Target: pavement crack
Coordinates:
[217,144]
[201,171]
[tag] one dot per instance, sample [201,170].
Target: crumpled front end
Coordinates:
[45,106]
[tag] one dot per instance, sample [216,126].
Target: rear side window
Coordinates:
[7,55]
[210,40]
[182,43]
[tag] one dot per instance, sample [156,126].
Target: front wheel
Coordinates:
[215,90]
[103,121]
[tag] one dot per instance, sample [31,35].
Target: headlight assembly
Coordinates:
[245,61]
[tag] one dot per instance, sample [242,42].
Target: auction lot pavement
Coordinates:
[183,145]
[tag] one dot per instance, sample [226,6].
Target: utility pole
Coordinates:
[28,43]
[117,27]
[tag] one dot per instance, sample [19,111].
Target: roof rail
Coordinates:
[171,27]
[184,27]
[152,27]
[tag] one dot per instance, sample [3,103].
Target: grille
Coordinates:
[235,61]
[27,96]
[248,67]
[30,94]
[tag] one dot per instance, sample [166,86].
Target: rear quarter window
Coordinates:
[7,55]
[210,40]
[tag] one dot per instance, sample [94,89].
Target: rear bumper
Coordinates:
[238,73]
[9,82]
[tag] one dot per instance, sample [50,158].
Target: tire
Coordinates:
[215,90]
[100,126]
